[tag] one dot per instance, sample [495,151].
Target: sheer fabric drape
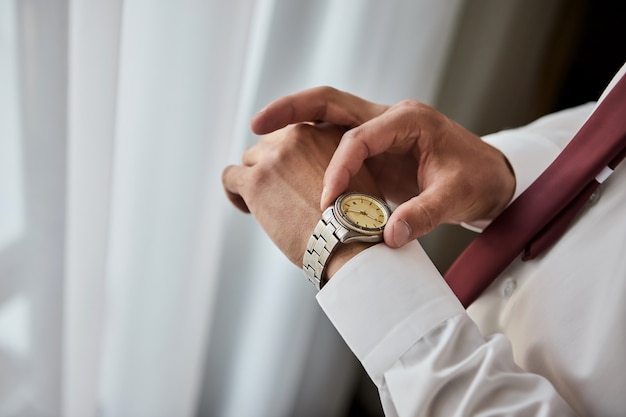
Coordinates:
[128,284]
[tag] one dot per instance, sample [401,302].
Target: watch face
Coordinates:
[362,212]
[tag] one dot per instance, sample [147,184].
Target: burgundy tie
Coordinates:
[542,212]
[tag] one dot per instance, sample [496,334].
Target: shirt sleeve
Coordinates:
[424,353]
[532,148]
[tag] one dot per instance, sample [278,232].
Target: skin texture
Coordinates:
[433,169]
[280,183]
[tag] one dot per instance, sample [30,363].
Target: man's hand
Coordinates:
[435,170]
[280,183]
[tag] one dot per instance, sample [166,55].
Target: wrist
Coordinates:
[501,183]
[354,218]
[342,255]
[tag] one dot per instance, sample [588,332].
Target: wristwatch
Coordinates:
[354,217]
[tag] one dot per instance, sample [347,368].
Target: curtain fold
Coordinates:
[179,72]
[32,259]
[94,39]
[130,286]
[270,328]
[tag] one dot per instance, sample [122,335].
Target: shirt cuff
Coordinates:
[384,300]
[529,154]
[532,148]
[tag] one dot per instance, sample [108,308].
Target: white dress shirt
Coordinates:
[546,338]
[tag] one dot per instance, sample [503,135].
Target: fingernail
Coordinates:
[401,232]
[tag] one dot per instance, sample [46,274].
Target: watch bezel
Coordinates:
[345,221]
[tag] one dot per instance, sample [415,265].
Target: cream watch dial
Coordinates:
[355,217]
[362,212]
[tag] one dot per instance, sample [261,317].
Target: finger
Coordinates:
[251,156]
[324,104]
[233,180]
[397,129]
[415,218]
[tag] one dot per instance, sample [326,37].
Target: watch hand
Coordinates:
[367,214]
[362,212]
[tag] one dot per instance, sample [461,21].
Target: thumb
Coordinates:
[412,219]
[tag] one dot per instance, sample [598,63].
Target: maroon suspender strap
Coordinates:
[541,214]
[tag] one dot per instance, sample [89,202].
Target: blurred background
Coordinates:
[128,284]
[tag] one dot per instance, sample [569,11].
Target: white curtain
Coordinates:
[128,284]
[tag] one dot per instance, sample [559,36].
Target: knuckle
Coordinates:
[260,176]
[299,130]
[277,156]
[425,218]
[294,136]
[226,172]
[409,103]
[327,91]
[247,154]
[427,214]
[413,107]
[358,147]
[281,154]
[326,95]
